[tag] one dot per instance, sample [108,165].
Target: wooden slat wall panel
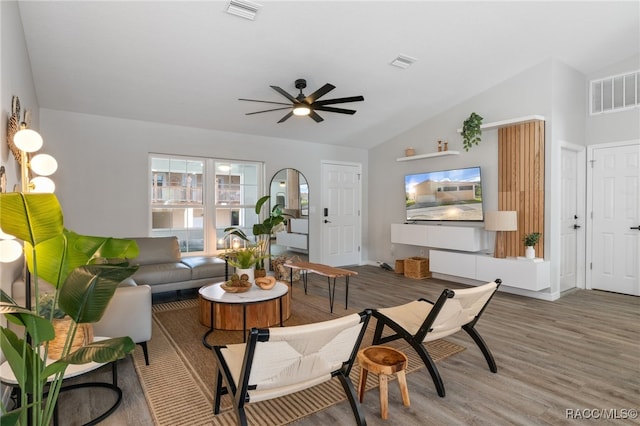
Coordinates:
[521,181]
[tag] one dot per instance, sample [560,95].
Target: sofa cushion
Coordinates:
[204,267]
[156,250]
[161,273]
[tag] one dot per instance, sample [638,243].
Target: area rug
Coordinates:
[179,382]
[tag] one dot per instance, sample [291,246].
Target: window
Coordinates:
[615,93]
[236,194]
[191,201]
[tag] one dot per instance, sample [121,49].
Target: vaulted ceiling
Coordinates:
[187,63]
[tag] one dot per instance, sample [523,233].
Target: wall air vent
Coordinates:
[403,61]
[243,8]
[615,93]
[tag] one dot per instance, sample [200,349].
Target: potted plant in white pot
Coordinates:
[244,260]
[261,231]
[85,272]
[531,240]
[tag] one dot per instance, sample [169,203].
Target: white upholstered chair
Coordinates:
[423,321]
[128,314]
[282,360]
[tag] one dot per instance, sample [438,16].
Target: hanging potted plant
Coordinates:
[531,240]
[471,131]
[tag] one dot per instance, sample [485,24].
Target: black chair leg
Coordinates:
[219,392]
[242,416]
[431,366]
[483,347]
[353,400]
[145,351]
[378,333]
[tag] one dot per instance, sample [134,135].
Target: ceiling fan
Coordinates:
[307,105]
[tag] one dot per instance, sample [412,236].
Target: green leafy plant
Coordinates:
[261,231]
[244,258]
[531,239]
[85,272]
[471,131]
[47,306]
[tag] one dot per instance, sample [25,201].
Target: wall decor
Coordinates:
[14,125]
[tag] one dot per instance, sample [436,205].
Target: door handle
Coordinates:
[635,227]
[327,221]
[576,226]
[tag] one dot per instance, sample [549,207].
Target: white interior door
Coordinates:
[340,214]
[571,217]
[616,219]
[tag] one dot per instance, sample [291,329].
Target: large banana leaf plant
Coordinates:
[85,271]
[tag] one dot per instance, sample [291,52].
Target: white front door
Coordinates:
[341,214]
[571,216]
[615,260]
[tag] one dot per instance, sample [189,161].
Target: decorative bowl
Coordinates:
[266,283]
[235,288]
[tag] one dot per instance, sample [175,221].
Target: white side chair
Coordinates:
[282,360]
[423,321]
[128,314]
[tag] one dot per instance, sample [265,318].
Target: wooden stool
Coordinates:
[384,361]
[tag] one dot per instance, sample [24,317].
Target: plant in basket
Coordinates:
[85,272]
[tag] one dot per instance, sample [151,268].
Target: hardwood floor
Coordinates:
[579,355]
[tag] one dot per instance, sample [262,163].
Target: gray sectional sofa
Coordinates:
[163,268]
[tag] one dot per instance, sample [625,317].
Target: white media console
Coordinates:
[456,251]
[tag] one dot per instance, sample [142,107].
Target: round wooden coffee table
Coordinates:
[242,311]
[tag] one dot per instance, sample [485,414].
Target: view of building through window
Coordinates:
[195,199]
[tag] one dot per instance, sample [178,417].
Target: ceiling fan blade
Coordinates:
[340,100]
[318,93]
[286,117]
[338,110]
[285,94]
[315,117]
[267,110]
[266,102]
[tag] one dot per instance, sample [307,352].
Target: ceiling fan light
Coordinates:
[301,110]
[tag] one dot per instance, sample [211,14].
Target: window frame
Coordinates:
[210,229]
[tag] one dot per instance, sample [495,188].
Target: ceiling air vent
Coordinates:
[615,93]
[243,8]
[403,61]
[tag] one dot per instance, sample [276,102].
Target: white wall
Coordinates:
[566,124]
[525,94]
[614,126]
[16,80]
[102,180]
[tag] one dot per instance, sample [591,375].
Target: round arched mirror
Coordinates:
[289,189]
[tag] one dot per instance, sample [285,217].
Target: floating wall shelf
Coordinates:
[433,154]
[510,122]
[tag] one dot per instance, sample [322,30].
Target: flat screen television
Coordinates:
[446,195]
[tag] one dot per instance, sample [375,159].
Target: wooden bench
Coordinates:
[325,270]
